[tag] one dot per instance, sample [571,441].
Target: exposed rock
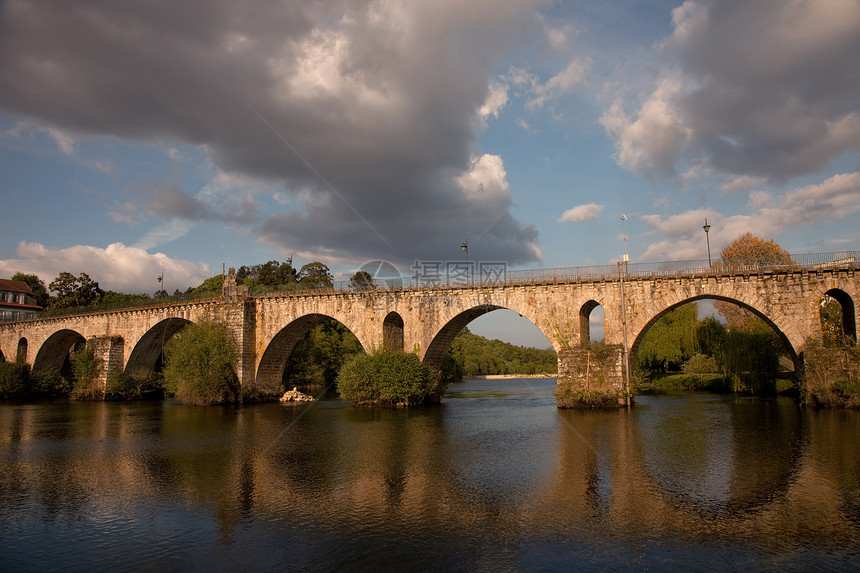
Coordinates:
[295,396]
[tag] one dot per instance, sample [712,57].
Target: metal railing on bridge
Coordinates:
[808,261]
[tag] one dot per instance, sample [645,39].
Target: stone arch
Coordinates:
[56,349]
[21,354]
[795,358]
[445,336]
[272,364]
[146,354]
[392,332]
[584,322]
[849,319]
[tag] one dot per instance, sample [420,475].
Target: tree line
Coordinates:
[70,291]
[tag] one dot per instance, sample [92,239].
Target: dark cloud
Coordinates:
[170,201]
[766,89]
[371,105]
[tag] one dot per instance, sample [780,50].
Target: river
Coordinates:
[496,478]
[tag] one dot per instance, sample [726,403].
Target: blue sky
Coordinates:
[142,138]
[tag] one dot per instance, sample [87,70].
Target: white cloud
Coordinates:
[758,199]
[64,141]
[740,183]
[497,98]
[649,144]
[812,205]
[115,267]
[486,179]
[564,82]
[581,213]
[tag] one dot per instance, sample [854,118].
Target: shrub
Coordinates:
[200,365]
[86,369]
[49,382]
[700,364]
[14,380]
[124,386]
[386,378]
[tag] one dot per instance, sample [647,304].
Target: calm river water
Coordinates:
[496,478]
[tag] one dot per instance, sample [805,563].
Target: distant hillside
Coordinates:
[474,355]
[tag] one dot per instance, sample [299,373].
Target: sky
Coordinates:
[143,138]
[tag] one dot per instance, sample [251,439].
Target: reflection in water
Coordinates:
[494,478]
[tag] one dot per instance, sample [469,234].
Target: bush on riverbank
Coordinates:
[385,378]
[125,387]
[832,375]
[86,369]
[14,380]
[200,365]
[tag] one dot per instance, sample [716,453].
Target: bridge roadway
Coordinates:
[425,320]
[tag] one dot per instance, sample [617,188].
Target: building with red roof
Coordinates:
[17,301]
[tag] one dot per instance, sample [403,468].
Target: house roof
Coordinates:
[8,285]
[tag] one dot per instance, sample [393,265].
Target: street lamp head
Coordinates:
[706,227]
[465,247]
[624,217]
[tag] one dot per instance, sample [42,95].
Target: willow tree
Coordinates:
[672,339]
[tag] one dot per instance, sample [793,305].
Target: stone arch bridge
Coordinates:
[425,320]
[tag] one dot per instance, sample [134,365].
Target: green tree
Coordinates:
[211,285]
[86,369]
[385,378]
[751,355]
[474,355]
[361,280]
[37,285]
[118,298]
[832,331]
[318,356]
[315,275]
[200,365]
[271,273]
[74,291]
[671,340]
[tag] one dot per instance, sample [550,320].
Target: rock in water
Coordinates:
[295,396]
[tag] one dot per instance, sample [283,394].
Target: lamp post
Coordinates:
[707,229]
[622,270]
[161,281]
[465,248]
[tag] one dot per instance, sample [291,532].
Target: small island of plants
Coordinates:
[385,378]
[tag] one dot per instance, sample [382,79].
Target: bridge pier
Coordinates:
[591,377]
[110,350]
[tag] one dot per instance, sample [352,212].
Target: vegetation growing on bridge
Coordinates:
[386,378]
